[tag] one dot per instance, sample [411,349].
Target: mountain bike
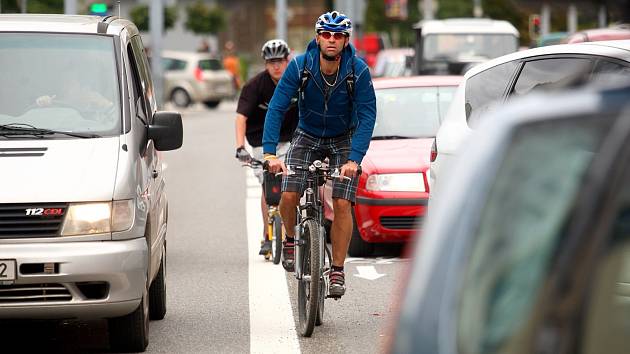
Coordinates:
[273,231]
[313,258]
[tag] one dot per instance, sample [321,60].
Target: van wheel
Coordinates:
[211,104]
[130,333]
[180,98]
[157,291]
[358,247]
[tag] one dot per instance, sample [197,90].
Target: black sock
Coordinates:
[337,269]
[289,239]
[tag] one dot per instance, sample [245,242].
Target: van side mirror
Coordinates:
[166,131]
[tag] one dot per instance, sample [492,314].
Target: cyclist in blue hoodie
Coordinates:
[337,110]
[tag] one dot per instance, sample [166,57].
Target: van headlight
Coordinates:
[396,182]
[96,218]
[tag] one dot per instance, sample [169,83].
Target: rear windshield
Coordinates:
[411,112]
[210,64]
[468,47]
[64,82]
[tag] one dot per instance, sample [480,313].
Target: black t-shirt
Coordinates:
[253,104]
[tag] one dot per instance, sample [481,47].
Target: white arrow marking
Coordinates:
[368,272]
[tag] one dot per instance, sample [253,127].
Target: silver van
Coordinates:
[83,209]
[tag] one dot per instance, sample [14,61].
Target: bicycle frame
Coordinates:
[311,208]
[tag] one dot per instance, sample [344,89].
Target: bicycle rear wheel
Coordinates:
[308,286]
[276,245]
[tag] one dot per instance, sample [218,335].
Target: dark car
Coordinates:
[529,252]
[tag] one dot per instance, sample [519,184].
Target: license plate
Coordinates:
[7,270]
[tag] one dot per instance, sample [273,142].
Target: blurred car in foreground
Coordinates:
[393,62]
[599,34]
[393,189]
[547,69]
[529,252]
[191,77]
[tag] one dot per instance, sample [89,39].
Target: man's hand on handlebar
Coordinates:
[275,165]
[349,169]
[243,155]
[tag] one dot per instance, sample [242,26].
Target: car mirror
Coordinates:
[166,131]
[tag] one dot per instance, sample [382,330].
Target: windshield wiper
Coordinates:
[27,129]
[390,137]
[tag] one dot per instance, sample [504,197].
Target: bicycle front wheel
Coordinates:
[308,286]
[276,245]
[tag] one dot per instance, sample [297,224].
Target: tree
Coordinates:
[140,16]
[377,21]
[33,6]
[205,20]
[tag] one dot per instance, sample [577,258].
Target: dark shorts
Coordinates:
[305,149]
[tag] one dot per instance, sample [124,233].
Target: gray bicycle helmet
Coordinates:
[275,49]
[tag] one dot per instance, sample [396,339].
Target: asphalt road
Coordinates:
[222,297]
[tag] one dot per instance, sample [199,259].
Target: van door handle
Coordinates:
[154,174]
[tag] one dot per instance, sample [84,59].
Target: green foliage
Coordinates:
[33,6]
[505,10]
[205,20]
[455,8]
[140,16]
[376,21]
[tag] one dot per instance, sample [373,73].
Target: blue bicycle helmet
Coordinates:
[335,22]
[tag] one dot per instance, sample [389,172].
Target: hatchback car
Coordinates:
[488,85]
[83,207]
[529,252]
[393,189]
[191,77]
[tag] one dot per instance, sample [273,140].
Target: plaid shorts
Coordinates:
[305,149]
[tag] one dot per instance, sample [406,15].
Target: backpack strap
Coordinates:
[350,81]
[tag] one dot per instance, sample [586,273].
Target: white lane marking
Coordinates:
[272,328]
[368,272]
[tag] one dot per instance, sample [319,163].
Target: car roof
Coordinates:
[187,55]
[613,49]
[466,25]
[45,23]
[417,81]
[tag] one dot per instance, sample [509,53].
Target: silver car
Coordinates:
[191,77]
[83,209]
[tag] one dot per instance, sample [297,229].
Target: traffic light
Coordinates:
[534,26]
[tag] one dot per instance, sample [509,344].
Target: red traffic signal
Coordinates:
[534,26]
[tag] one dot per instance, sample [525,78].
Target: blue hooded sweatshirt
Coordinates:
[317,117]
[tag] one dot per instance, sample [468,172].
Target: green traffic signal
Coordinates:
[98,8]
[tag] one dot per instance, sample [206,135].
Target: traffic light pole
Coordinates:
[70,7]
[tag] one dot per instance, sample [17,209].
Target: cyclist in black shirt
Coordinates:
[251,111]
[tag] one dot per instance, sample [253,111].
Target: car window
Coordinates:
[607,310]
[210,64]
[57,81]
[608,72]
[521,223]
[410,112]
[551,74]
[170,64]
[486,89]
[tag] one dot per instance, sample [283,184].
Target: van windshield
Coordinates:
[459,47]
[62,82]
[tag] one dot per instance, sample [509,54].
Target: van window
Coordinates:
[63,82]
[485,89]
[468,47]
[519,230]
[552,74]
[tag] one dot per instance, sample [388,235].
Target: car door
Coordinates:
[151,164]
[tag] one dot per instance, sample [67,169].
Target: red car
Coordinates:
[393,189]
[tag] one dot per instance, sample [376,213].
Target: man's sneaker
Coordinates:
[265,247]
[337,283]
[288,256]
